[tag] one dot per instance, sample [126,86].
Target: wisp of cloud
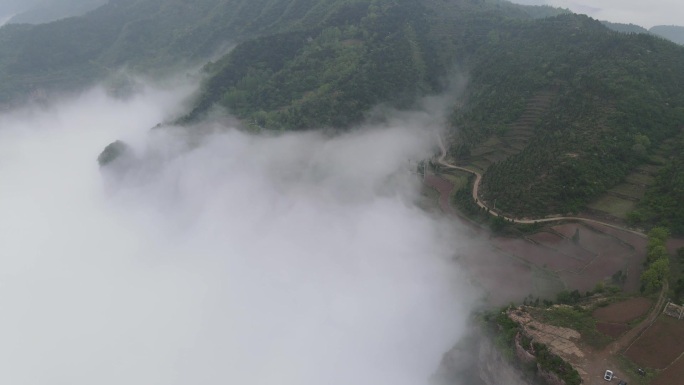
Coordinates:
[217,258]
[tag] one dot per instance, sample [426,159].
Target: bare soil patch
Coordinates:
[615,249]
[623,312]
[612,329]
[579,281]
[547,238]
[571,249]
[444,187]
[539,256]
[503,278]
[672,375]
[660,344]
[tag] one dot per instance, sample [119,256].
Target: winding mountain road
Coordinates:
[476,187]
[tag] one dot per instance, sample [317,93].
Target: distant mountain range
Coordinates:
[44,11]
[673,33]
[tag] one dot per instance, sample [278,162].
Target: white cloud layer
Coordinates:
[292,259]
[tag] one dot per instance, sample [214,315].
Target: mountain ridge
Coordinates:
[557,109]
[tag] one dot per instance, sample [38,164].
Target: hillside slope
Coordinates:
[362,53]
[615,97]
[152,37]
[557,108]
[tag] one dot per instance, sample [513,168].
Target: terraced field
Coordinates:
[514,137]
[618,201]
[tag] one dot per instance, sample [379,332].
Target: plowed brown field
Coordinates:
[660,344]
[623,312]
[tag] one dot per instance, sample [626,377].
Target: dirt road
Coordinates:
[476,187]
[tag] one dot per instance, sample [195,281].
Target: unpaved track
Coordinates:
[476,187]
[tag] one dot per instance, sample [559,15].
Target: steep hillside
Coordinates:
[361,54]
[662,203]
[558,108]
[50,10]
[153,37]
[615,96]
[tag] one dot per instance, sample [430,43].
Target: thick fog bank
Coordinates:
[215,259]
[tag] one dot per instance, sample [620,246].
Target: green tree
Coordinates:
[654,277]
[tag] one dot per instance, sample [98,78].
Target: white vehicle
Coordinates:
[608,375]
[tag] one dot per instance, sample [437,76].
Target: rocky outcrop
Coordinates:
[523,355]
[495,369]
[476,361]
[550,378]
[113,152]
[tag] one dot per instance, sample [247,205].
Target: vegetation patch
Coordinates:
[613,205]
[630,190]
[657,261]
[510,336]
[612,330]
[575,318]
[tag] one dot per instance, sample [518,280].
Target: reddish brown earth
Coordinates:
[537,255]
[505,279]
[547,238]
[593,240]
[672,375]
[444,188]
[623,312]
[615,250]
[579,282]
[611,329]
[659,345]
[638,242]
[562,245]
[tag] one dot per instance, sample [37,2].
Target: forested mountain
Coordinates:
[153,37]
[361,54]
[662,204]
[557,109]
[609,97]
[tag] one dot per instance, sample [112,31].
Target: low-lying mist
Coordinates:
[218,258]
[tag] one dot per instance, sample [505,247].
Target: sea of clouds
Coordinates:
[213,256]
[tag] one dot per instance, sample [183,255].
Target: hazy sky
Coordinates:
[643,13]
[220,259]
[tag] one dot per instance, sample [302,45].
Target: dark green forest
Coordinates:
[663,204]
[615,96]
[567,105]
